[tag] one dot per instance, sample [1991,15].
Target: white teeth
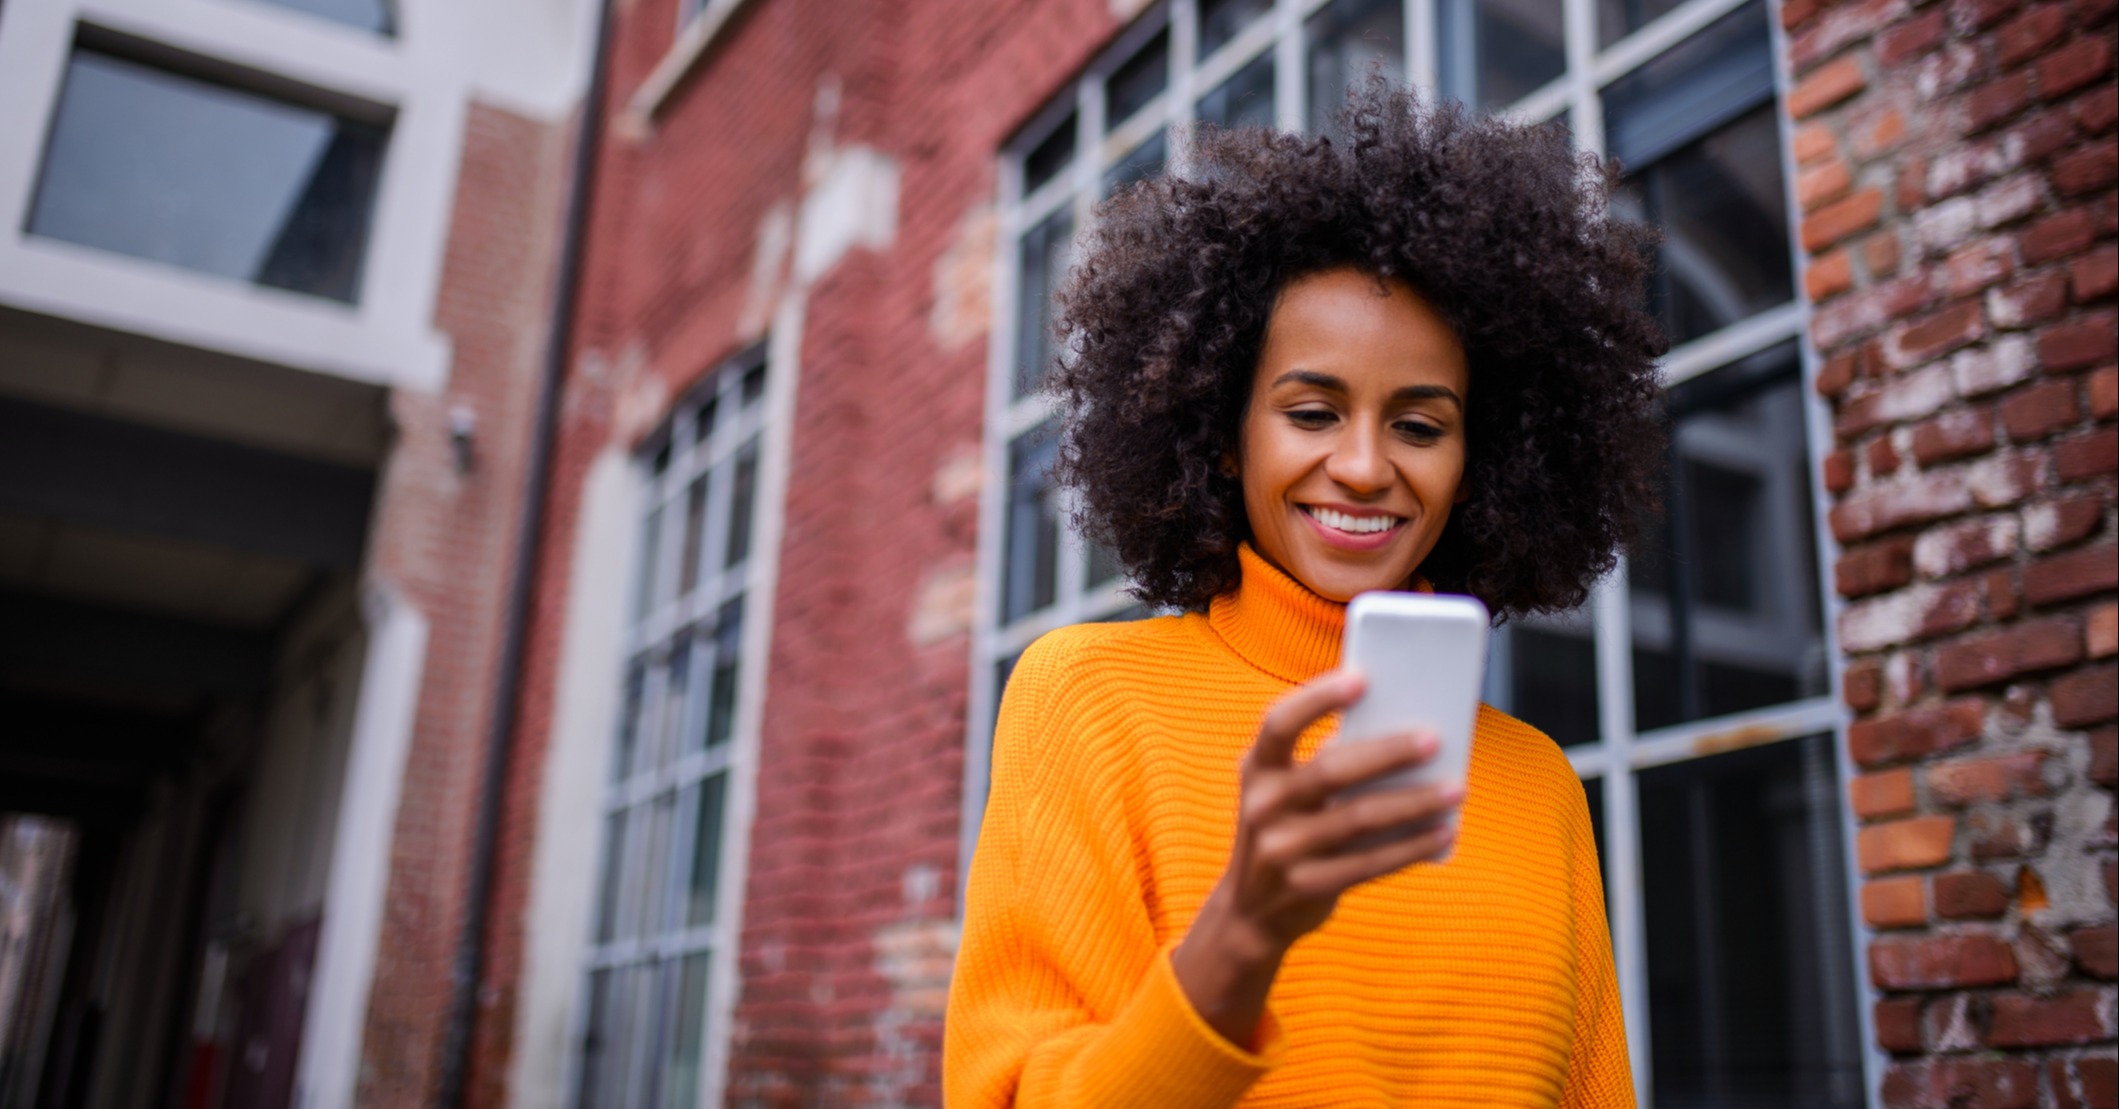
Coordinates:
[1360,525]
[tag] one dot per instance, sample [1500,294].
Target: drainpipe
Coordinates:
[469,966]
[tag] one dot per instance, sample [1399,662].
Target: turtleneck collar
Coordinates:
[1277,625]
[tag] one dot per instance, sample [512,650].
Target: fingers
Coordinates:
[1300,708]
[1331,875]
[1294,840]
[1341,765]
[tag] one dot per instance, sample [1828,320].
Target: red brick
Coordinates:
[2063,520]
[1839,471]
[1898,1024]
[1841,218]
[1970,895]
[1997,656]
[1882,794]
[1997,100]
[1881,456]
[1826,181]
[1900,902]
[2061,236]
[1978,15]
[2100,631]
[1956,433]
[2041,134]
[1940,333]
[1916,732]
[2089,170]
[2100,1080]
[1813,142]
[1875,567]
[2077,573]
[2078,344]
[2104,393]
[2003,600]
[1795,13]
[1951,1081]
[1828,276]
[2076,1017]
[1829,84]
[1941,962]
[1964,545]
[2086,456]
[1975,781]
[2034,413]
[2073,66]
[2096,950]
[2094,275]
[1927,496]
[2087,696]
[1877,134]
[1880,253]
[1836,374]
[1974,266]
[2096,110]
[2029,301]
[2029,33]
[2001,480]
[1909,844]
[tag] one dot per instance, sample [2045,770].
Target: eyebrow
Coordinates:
[1337,385]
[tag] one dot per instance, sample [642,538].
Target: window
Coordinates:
[1693,693]
[662,932]
[211,178]
[367,15]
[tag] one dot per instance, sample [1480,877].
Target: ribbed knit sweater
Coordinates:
[1485,980]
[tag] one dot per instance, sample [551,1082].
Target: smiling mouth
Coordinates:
[1347,522]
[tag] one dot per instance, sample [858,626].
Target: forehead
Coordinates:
[1369,333]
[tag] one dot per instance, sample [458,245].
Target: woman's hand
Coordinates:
[1297,849]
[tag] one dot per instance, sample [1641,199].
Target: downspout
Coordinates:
[469,966]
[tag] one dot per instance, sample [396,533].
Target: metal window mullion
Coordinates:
[1651,41]
[1421,50]
[1622,841]
[1680,742]
[1184,71]
[1290,83]
[1733,343]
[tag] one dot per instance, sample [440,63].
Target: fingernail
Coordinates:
[1424,744]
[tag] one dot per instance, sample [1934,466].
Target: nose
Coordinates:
[1358,461]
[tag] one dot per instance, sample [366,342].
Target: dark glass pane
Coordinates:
[1049,157]
[1145,161]
[213,179]
[721,697]
[1349,40]
[1001,671]
[1750,977]
[694,534]
[704,422]
[1136,82]
[650,545]
[1103,566]
[752,386]
[680,1071]
[1493,53]
[1245,99]
[1723,72]
[613,871]
[742,501]
[1032,538]
[1042,262]
[1553,683]
[676,707]
[629,724]
[1724,255]
[368,15]
[1593,792]
[1724,594]
[660,462]
[706,851]
[660,813]
[597,1046]
[1222,20]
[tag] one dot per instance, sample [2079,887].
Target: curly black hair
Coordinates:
[1501,227]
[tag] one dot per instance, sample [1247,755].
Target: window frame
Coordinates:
[651,629]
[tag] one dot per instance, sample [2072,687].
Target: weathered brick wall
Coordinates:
[444,538]
[1956,172]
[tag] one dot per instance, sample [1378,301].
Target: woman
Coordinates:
[1410,359]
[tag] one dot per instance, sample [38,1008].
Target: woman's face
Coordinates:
[1352,449]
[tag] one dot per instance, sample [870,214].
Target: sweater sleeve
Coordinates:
[1063,995]
[1598,1075]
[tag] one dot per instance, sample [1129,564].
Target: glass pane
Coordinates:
[721,698]
[1103,566]
[654,866]
[1042,262]
[1724,590]
[368,15]
[694,534]
[703,425]
[742,502]
[1593,792]
[753,386]
[1707,80]
[213,179]
[626,920]
[1135,83]
[706,852]
[1493,53]
[676,707]
[629,725]
[1552,682]
[680,1069]
[1049,157]
[1750,976]
[1031,579]
[1144,162]
[1222,20]
[1349,40]
[650,548]
[641,1031]
[1245,99]
[597,1045]
[613,873]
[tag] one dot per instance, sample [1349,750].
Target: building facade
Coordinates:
[1844,719]
[274,284]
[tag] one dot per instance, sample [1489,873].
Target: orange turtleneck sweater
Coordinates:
[1486,980]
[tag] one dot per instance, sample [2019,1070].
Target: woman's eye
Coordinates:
[1419,432]
[1310,417]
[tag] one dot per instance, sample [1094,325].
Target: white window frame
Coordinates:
[1575,96]
[651,627]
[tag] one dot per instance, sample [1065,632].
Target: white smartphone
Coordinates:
[1425,659]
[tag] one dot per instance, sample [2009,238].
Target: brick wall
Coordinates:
[1956,178]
